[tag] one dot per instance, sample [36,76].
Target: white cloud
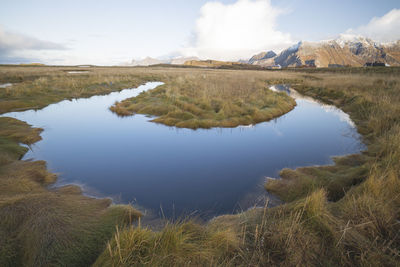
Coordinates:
[15,41]
[383,29]
[16,47]
[235,31]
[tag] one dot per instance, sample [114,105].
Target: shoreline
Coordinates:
[54,187]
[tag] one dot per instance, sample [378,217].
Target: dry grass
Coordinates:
[342,215]
[205,99]
[367,186]
[41,227]
[178,244]
[12,132]
[347,172]
[37,87]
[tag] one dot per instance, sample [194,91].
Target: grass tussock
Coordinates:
[178,244]
[370,222]
[13,132]
[347,172]
[41,227]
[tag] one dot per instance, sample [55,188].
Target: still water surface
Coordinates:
[183,171]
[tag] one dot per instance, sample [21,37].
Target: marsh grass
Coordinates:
[365,187]
[38,226]
[206,99]
[346,214]
[177,244]
[13,132]
[35,88]
[347,172]
[41,227]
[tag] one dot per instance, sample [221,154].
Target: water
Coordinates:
[208,172]
[5,85]
[77,71]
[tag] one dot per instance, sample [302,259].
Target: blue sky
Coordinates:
[111,32]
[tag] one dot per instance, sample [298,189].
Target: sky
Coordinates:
[113,32]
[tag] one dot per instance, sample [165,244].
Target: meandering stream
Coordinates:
[208,172]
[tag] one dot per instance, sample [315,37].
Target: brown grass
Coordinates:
[179,244]
[205,99]
[342,215]
[41,227]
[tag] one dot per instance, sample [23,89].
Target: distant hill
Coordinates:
[347,50]
[210,63]
[182,60]
[32,64]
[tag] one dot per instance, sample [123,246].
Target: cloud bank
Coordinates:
[382,29]
[237,31]
[16,46]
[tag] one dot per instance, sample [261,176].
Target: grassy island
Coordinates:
[209,99]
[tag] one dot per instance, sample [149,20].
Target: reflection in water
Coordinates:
[328,108]
[209,171]
[5,85]
[77,71]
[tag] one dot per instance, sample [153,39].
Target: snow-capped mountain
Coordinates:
[347,50]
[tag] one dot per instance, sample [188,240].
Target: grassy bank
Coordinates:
[38,226]
[342,215]
[37,87]
[41,227]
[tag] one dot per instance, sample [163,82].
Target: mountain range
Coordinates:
[347,50]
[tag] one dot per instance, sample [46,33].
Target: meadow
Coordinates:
[346,214]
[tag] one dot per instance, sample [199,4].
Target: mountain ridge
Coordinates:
[346,50]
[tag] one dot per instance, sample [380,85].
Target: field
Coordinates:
[345,214]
